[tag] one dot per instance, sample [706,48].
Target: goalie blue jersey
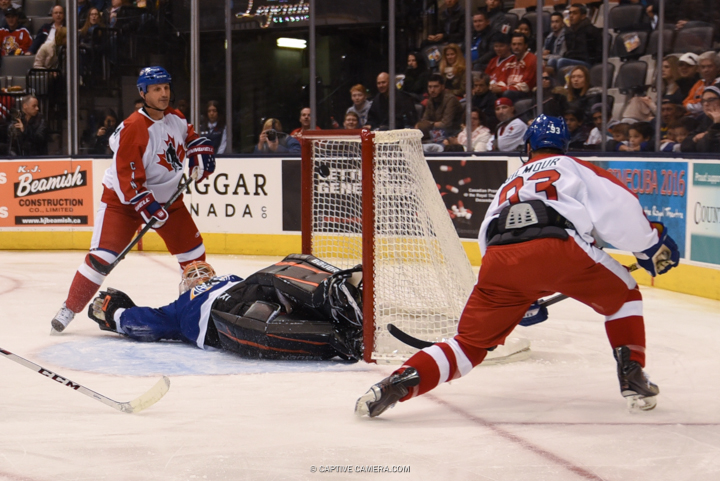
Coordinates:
[185,320]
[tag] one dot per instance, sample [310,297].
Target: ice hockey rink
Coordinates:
[556,416]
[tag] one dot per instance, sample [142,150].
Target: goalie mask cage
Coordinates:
[369,198]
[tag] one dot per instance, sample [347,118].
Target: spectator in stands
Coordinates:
[526,28]
[14,39]
[496,67]
[28,134]
[213,127]
[639,138]
[452,68]
[481,48]
[681,129]
[510,131]
[47,31]
[443,113]
[688,69]
[696,142]
[578,98]
[379,115]
[361,105]
[582,39]
[22,20]
[481,134]
[579,132]
[595,136]
[274,141]
[554,97]
[110,14]
[416,76]
[140,103]
[554,46]
[101,143]
[483,98]
[709,64]
[520,71]
[182,105]
[451,24]
[670,76]
[619,132]
[498,21]
[47,56]
[670,112]
[352,121]
[93,21]
[305,120]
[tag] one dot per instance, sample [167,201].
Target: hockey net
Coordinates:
[370,199]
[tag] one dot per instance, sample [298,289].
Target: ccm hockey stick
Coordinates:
[136,405]
[105,269]
[412,341]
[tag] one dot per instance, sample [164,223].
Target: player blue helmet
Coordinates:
[151,76]
[547,133]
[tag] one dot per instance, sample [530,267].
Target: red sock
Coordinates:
[81,292]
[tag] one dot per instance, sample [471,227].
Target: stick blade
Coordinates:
[100,267]
[147,399]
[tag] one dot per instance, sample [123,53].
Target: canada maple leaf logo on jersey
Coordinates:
[172,158]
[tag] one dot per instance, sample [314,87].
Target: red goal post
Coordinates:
[370,198]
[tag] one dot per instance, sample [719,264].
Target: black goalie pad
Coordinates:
[265,332]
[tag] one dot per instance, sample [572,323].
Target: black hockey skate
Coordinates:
[102,308]
[386,393]
[634,384]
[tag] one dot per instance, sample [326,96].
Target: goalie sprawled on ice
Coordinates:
[299,308]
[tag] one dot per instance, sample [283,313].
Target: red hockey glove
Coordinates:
[202,158]
[149,209]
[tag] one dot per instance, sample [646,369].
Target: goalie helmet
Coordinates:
[151,76]
[194,274]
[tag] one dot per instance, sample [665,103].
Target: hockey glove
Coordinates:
[534,315]
[661,257]
[103,307]
[149,208]
[202,158]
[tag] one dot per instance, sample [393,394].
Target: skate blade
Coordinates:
[639,403]
[55,332]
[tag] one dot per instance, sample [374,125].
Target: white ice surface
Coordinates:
[557,416]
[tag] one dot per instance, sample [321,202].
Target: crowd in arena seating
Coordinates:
[504,71]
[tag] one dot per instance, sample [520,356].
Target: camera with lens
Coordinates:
[272,135]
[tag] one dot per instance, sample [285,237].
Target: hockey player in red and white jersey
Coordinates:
[151,149]
[538,238]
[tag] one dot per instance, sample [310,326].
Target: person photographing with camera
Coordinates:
[274,140]
[28,130]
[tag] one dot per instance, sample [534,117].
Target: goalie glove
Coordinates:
[534,315]
[661,257]
[103,308]
[202,158]
[146,205]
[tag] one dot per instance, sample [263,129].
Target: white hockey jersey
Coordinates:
[510,136]
[595,201]
[148,155]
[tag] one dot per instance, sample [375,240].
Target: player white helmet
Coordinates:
[194,274]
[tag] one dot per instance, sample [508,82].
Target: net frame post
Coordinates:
[367,140]
[306,193]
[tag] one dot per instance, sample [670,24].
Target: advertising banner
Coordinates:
[467,188]
[46,193]
[243,196]
[661,188]
[704,213]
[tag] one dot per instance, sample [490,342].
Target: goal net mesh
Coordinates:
[422,276]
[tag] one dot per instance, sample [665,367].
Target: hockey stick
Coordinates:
[105,269]
[136,405]
[411,341]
